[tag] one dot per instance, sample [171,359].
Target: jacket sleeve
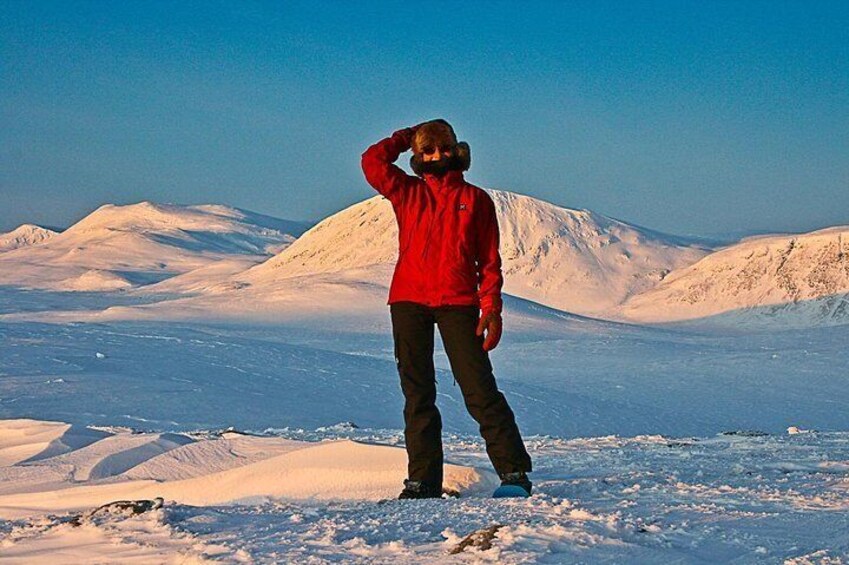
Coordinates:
[379,168]
[490,279]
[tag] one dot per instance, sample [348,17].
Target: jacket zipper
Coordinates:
[428,236]
[440,208]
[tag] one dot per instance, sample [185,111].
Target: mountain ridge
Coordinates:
[767,276]
[123,246]
[571,260]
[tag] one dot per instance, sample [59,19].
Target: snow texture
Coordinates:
[740,497]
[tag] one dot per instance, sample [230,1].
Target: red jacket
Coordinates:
[447,232]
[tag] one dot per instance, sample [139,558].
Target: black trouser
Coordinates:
[412,330]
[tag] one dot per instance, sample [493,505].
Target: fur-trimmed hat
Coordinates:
[439,133]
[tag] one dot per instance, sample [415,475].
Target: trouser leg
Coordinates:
[472,368]
[412,330]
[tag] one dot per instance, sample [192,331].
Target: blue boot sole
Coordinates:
[510,491]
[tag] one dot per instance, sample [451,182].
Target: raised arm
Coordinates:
[379,167]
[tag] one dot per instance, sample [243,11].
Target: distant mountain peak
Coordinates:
[24,236]
[119,246]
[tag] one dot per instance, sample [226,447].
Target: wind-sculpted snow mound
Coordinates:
[119,247]
[785,280]
[96,280]
[27,440]
[215,471]
[573,260]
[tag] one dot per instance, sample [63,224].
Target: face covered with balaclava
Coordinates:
[436,150]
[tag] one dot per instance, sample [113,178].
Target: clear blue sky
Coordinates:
[686,117]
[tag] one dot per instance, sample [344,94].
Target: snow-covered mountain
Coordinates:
[791,279]
[23,236]
[573,260]
[362,234]
[117,247]
[580,261]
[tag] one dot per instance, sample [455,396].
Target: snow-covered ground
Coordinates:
[651,445]
[565,375]
[325,496]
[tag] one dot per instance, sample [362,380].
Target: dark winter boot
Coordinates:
[519,479]
[420,489]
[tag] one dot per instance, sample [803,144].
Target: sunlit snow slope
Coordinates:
[789,279]
[222,260]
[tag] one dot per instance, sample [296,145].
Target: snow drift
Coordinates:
[211,471]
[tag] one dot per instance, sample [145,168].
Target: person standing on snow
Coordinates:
[448,268]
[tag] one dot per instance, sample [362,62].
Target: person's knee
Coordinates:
[486,405]
[480,390]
